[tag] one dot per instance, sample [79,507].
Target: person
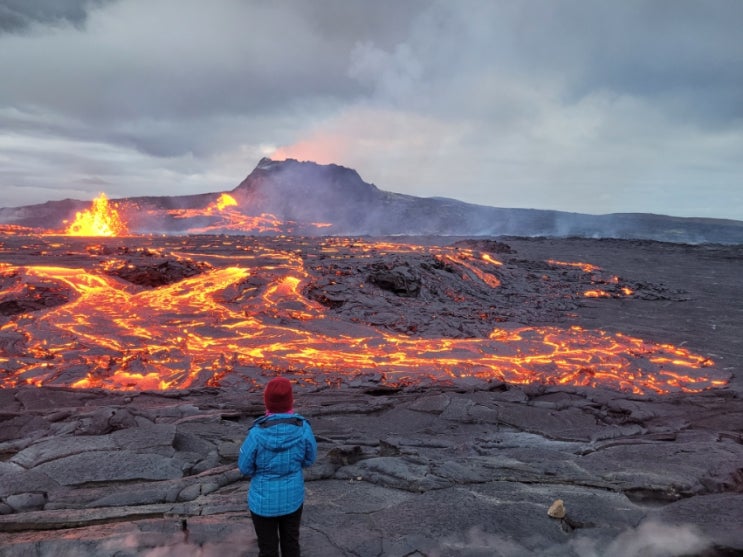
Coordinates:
[276,449]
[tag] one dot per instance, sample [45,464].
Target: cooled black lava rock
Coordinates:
[158,274]
[27,296]
[401,280]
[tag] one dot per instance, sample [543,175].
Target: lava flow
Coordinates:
[225,216]
[175,313]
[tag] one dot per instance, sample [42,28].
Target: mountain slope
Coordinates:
[311,199]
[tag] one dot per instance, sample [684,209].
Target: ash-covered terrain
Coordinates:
[606,375]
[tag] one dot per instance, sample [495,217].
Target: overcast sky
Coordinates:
[580,105]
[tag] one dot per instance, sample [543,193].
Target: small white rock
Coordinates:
[557,509]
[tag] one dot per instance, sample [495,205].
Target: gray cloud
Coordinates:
[576,105]
[19,15]
[682,54]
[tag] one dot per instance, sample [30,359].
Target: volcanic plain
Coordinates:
[459,390]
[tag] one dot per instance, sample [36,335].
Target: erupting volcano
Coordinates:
[137,312]
[489,372]
[308,199]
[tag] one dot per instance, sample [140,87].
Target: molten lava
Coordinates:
[248,314]
[225,200]
[224,215]
[102,219]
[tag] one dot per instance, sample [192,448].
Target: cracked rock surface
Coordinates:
[437,472]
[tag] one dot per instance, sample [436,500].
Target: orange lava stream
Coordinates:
[585,267]
[228,217]
[201,330]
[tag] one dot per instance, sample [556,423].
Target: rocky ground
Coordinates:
[463,470]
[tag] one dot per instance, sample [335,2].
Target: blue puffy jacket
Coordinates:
[273,455]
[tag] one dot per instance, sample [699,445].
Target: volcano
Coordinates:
[309,199]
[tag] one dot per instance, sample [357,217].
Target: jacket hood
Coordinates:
[281,436]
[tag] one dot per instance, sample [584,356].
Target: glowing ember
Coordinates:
[102,219]
[596,294]
[249,314]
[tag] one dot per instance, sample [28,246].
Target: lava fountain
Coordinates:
[102,219]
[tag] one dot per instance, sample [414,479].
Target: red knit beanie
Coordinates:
[278,396]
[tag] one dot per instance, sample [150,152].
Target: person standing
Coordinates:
[276,449]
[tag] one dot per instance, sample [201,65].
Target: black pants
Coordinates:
[273,531]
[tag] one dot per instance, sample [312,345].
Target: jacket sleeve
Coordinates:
[310,446]
[248,452]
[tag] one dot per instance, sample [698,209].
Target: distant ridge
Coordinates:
[306,194]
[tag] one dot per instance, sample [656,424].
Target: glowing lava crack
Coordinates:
[247,312]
